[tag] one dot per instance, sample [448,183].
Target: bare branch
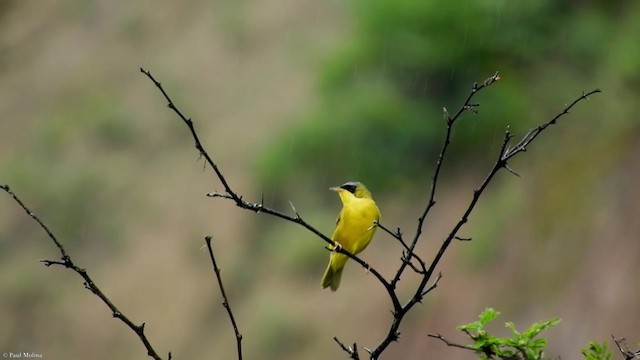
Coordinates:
[621,343]
[521,146]
[467,105]
[67,262]
[392,334]
[462,238]
[351,350]
[225,302]
[435,285]
[501,163]
[440,337]
[405,257]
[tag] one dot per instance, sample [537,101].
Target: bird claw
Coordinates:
[336,247]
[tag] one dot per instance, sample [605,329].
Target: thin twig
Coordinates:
[225,302]
[435,285]
[351,350]
[521,146]
[440,337]
[445,146]
[405,258]
[621,343]
[67,262]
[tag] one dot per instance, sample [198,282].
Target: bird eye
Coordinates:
[350,187]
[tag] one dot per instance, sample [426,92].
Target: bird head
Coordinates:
[352,188]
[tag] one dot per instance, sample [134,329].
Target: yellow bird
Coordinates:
[354,228]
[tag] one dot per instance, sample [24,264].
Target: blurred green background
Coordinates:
[291,97]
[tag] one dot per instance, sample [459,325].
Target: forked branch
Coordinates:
[67,262]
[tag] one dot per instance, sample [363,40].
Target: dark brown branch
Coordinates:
[466,106]
[393,333]
[440,337]
[194,134]
[504,155]
[351,350]
[465,217]
[521,146]
[621,343]
[67,262]
[435,285]
[225,302]
[405,254]
[260,207]
[501,163]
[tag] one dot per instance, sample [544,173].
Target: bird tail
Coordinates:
[333,274]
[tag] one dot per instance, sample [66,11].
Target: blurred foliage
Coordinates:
[60,174]
[597,351]
[379,113]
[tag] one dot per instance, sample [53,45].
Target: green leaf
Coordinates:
[597,351]
[488,315]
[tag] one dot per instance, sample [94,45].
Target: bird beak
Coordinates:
[335,188]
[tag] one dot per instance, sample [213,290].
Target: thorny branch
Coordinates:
[407,252]
[501,163]
[225,302]
[399,311]
[451,121]
[441,338]
[621,343]
[393,333]
[351,350]
[67,262]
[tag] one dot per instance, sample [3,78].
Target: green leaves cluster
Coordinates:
[596,351]
[520,345]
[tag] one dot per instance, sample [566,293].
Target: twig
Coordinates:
[351,350]
[445,145]
[621,343]
[407,255]
[225,303]
[440,337]
[393,333]
[67,262]
[521,146]
[435,285]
